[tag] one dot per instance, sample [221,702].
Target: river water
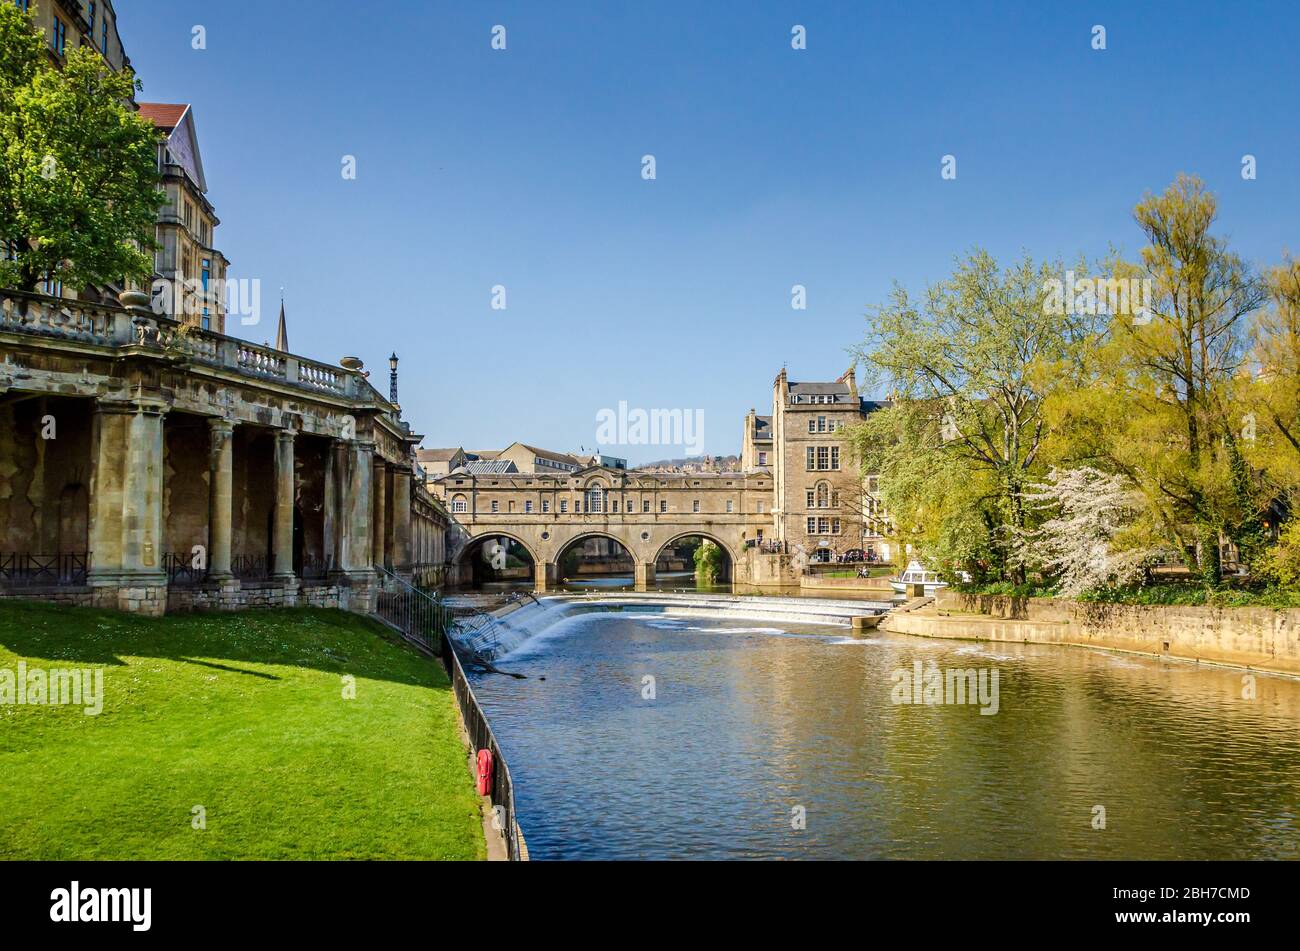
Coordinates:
[778,740]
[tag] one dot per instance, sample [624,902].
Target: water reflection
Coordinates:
[752,719]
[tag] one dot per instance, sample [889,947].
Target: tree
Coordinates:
[1274,395]
[970,365]
[708,563]
[79,184]
[1157,399]
[1091,539]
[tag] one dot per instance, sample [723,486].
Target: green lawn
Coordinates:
[244,715]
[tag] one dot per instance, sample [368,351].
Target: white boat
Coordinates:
[916,573]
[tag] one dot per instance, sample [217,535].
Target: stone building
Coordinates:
[821,501]
[189,273]
[69,23]
[151,468]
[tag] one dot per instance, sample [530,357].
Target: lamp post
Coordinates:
[392,378]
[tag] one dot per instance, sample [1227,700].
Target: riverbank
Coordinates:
[294,734]
[1263,639]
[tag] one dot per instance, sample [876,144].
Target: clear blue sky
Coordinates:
[775,167]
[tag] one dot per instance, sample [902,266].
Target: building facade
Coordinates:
[150,469]
[69,23]
[189,273]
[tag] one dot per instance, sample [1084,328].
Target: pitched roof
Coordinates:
[164,115]
[563,457]
[763,427]
[436,455]
[820,389]
[489,467]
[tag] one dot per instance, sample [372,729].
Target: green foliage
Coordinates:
[969,366]
[709,563]
[1195,595]
[1281,563]
[78,167]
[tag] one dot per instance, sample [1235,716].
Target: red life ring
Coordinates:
[485,772]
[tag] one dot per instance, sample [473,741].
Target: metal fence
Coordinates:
[427,621]
[481,737]
[422,617]
[20,568]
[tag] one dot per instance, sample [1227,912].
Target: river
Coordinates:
[759,739]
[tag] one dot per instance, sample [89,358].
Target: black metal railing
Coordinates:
[24,569]
[426,620]
[181,570]
[421,616]
[316,567]
[502,794]
[250,567]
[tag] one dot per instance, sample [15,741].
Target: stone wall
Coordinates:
[1250,637]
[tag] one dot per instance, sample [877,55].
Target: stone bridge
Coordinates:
[645,512]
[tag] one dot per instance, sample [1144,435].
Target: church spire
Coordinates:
[282,332]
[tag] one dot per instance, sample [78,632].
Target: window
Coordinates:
[812,425]
[564,505]
[496,506]
[729,507]
[821,424]
[458,504]
[52,286]
[103,37]
[760,508]
[528,508]
[546,506]
[823,495]
[835,526]
[58,35]
[811,458]
[614,506]
[812,526]
[762,458]
[823,526]
[812,498]
[645,505]
[835,457]
[823,457]
[595,499]
[91,18]
[695,505]
[663,505]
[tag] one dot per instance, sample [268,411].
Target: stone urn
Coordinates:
[136,301]
[352,363]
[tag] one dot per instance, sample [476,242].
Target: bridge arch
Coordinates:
[697,533]
[475,541]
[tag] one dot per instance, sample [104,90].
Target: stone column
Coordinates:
[402,519]
[110,436]
[544,575]
[282,521]
[126,506]
[644,575]
[220,497]
[379,525]
[355,553]
[143,491]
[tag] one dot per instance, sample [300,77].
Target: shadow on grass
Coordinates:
[317,638]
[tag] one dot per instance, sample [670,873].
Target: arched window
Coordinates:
[823,495]
[459,504]
[595,499]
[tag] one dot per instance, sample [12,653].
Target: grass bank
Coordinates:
[241,715]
